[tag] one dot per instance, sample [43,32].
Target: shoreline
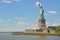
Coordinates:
[51,34]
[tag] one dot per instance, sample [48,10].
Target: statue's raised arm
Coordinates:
[41,10]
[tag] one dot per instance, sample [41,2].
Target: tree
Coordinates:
[56,28]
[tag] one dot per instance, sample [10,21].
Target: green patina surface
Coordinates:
[41,12]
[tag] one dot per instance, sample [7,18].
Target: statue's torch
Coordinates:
[38,4]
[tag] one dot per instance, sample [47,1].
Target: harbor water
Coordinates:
[8,36]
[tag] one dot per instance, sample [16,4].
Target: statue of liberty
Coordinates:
[41,22]
[41,10]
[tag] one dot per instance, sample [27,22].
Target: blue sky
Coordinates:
[17,15]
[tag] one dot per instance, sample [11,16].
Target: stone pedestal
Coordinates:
[42,24]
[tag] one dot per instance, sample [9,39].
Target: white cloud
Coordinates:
[47,23]
[1,20]
[9,1]
[11,29]
[52,24]
[20,18]
[37,4]
[17,0]
[22,24]
[9,20]
[52,12]
[36,26]
[55,24]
